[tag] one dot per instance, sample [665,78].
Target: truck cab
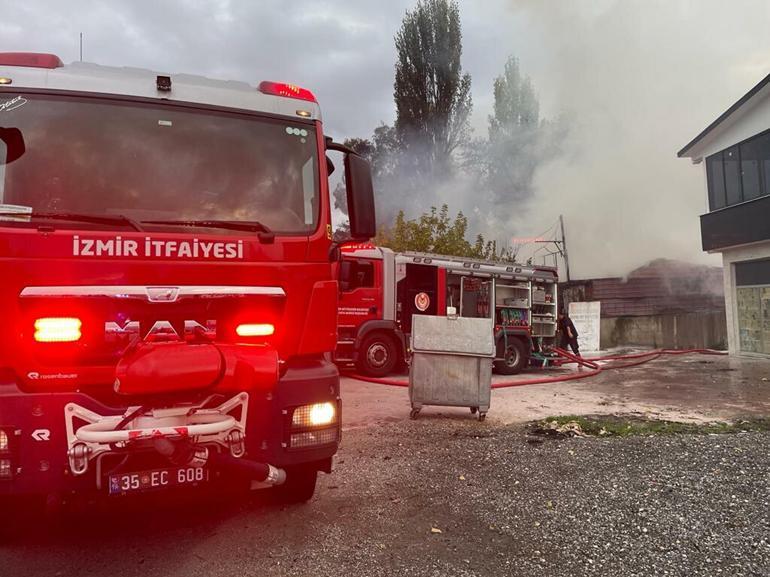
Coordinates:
[168,299]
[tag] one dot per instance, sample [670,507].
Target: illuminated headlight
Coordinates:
[3,441]
[5,468]
[318,415]
[313,438]
[314,425]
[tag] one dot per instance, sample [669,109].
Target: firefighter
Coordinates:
[568,333]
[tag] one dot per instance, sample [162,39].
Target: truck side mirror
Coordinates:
[360,193]
[346,269]
[14,144]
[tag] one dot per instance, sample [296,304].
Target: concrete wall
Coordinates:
[676,331]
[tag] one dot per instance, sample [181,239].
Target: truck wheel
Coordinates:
[377,356]
[299,486]
[515,357]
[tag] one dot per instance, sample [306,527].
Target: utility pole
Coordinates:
[81,47]
[561,248]
[564,247]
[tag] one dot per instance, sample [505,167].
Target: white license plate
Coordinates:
[157,479]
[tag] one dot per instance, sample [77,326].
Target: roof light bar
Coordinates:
[286,90]
[30,59]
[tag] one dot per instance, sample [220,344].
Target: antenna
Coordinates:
[81,47]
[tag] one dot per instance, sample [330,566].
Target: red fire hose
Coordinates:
[568,358]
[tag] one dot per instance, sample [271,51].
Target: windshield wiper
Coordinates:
[263,232]
[78,217]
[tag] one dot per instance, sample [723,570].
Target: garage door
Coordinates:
[753,298]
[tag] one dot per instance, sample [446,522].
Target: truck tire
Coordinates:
[515,358]
[299,486]
[378,355]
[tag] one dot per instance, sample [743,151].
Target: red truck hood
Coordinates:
[147,281]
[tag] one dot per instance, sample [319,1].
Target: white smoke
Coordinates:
[637,80]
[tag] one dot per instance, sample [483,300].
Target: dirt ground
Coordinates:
[686,388]
[447,495]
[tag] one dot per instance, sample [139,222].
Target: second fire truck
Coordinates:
[382,290]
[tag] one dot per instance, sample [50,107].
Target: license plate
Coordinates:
[157,479]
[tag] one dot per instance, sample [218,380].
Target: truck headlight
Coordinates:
[3,441]
[313,438]
[311,416]
[314,425]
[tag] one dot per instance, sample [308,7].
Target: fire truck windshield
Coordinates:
[150,162]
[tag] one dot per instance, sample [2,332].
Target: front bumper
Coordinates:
[39,441]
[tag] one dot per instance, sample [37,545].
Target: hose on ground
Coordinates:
[593,366]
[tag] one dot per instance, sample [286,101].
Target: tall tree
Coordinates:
[517,137]
[432,95]
[516,104]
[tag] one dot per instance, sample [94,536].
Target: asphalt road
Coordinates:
[453,497]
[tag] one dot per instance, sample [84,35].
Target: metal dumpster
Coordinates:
[451,363]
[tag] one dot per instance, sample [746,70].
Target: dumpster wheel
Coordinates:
[413,413]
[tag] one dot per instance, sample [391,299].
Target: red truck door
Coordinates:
[360,301]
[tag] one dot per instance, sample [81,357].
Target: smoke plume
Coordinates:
[636,81]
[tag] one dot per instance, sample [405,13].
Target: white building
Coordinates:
[736,150]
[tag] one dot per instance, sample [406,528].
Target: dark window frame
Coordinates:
[764,185]
[367,269]
[752,273]
[758,175]
[710,182]
[737,161]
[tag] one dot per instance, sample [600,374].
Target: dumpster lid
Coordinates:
[459,335]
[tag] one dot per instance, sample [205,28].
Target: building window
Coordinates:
[732,175]
[739,173]
[750,164]
[763,153]
[716,181]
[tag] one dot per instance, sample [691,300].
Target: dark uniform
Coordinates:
[569,334]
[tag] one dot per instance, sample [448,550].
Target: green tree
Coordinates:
[433,231]
[515,137]
[516,103]
[432,95]
[436,232]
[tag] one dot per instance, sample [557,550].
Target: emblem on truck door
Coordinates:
[422,301]
[160,330]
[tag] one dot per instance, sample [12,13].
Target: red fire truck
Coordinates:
[382,290]
[168,292]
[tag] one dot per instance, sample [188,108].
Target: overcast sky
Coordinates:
[639,77]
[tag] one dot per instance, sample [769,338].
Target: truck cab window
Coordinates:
[360,275]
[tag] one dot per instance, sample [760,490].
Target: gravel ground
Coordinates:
[444,496]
